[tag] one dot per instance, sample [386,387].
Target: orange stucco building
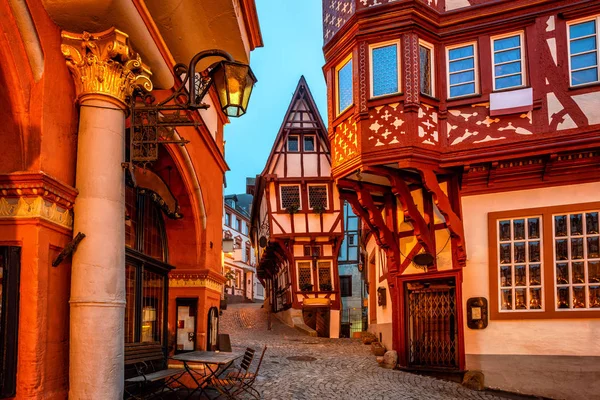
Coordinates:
[150,261]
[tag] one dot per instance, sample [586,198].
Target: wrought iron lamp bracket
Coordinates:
[152,123]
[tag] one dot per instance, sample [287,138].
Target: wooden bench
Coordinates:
[146,370]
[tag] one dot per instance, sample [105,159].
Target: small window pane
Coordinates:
[535,299]
[505,256]
[521,300]
[504,230]
[461,52]
[462,90]
[585,76]
[583,29]
[520,252]
[292,144]
[462,77]
[594,296]
[591,223]
[562,273]
[534,251]
[507,82]
[461,65]
[560,225]
[309,143]
[562,295]
[508,69]
[577,248]
[578,271]
[594,271]
[345,86]
[579,297]
[583,45]
[519,229]
[520,275]
[584,61]
[505,276]
[535,275]
[592,247]
[534,228]
[507,43]
[385,70]
[506,299]
[507,56]
[562,252]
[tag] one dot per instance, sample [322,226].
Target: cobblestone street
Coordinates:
[341,369]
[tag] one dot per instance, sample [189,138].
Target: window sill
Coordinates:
[583,87]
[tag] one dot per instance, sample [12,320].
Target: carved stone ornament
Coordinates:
[104,64]
[195,281]
[35,207]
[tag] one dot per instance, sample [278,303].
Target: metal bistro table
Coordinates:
[213,361]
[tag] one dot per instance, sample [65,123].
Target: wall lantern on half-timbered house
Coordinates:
[152,123]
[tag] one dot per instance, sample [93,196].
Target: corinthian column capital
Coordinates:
[104,65]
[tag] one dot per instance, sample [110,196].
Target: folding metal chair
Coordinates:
[247,379]
[230,387]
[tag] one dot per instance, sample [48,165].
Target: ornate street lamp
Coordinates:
[152,123]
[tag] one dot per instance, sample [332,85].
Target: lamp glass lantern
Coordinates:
[233,82]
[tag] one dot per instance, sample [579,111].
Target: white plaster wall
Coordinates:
[578,337]
[311,165]
[294,167]
[384,313]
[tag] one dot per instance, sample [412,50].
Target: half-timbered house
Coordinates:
[465,135]
[297,222]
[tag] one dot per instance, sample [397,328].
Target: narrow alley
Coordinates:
[328,368]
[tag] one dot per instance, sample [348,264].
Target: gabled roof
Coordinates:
[301,115]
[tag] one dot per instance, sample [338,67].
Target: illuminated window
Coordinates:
[385,76]
[583,52]
[344,85]
[520,263]
[426,68]
[577,260]
[508,61]
[290,197]
[462,72]
[317,197]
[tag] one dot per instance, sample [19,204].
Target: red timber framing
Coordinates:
[299,206]
[389,151]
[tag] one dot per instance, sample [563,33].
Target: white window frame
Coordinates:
[475,67]
[527,263]
[281,194]
[577,22]
[376,46]
[431,47]
[337,84]
[330,274]
[314,143]
[521,34]
[586,285]
[326,192]
[287,144]
[312,277]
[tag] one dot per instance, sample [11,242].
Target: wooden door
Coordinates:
[318,319]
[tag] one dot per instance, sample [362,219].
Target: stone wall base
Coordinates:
[557,377]
[383,332]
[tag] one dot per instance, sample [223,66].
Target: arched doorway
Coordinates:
[213,329]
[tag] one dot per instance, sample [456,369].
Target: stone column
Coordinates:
[105,71]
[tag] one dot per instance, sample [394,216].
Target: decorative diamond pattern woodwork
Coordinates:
[290,196]
[317,197]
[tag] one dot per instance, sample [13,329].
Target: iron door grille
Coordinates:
[432,326]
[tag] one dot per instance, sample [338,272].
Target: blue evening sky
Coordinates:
[293,39]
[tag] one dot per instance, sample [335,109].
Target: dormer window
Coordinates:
[309,143]
[292,144]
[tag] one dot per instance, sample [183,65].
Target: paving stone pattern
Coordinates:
[342,369]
